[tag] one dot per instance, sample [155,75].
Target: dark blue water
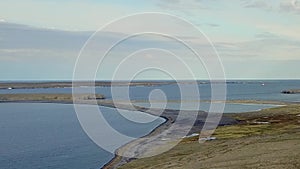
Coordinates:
[236,90]
[37,135]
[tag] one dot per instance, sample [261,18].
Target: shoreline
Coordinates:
[168,115]
[63,84]
[117,160]
[166,123]
[275,128]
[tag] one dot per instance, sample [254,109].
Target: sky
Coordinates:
[255,39]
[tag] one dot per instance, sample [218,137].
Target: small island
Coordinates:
[50,98]
[70,84]
[291,91]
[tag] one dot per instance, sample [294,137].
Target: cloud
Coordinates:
[47,48]
[213,25]
[16,36]
[266,35]
[257,4]
[290,6]
[267,46]
[181,4]
[65,15]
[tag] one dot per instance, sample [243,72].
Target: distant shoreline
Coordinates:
[36,85]
[169,115]
[69,84]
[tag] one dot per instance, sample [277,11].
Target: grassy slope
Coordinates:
[275,144]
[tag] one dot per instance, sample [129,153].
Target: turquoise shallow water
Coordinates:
[38,135]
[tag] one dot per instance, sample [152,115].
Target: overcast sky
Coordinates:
[41,39]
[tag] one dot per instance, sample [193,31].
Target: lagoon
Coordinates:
[41,135]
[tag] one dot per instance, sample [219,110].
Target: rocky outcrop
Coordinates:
[291,91]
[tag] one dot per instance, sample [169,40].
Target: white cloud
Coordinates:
[181,4]
[264,48]
[66,15]
[2,20]
[263,4]
[290,6]
[254,30]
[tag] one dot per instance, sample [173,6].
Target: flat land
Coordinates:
[51,98]
[34,85]
[266,139]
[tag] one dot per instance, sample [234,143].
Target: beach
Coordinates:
[169,116]
[236,131]
[156,84]
[265,139]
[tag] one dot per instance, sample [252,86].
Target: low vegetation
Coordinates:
[266,139]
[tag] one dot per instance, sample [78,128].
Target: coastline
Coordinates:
[161,127]
[274,130]
[231,119]
[168,115]
[117,160]
[69,84]
[109,104]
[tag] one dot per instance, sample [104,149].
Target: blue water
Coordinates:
[236,90]
[38,135]
[50,136]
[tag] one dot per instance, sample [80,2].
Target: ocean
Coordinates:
[41,135]
[236,90]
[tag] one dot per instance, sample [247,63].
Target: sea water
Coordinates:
[39,135]
[236,90]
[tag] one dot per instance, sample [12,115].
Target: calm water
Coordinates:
[241,90]
[50,136]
